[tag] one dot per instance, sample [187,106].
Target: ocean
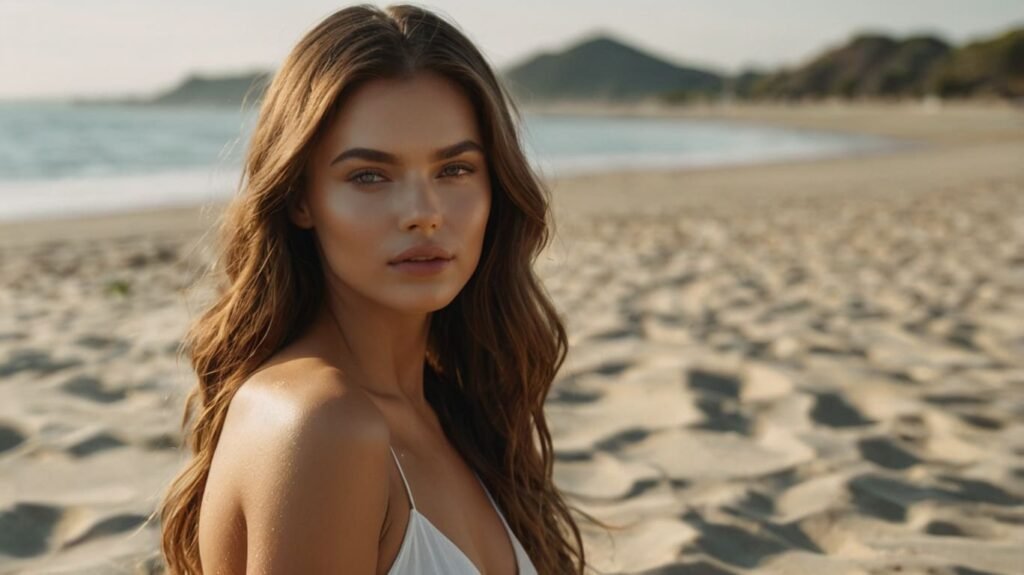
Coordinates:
[60,160]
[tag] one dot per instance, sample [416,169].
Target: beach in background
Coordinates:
[60,160]
[809,364]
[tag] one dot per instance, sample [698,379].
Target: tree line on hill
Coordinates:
[601,68]
[876,66]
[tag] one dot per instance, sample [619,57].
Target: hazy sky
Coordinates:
[54,48]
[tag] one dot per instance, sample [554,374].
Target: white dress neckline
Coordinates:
[422,539]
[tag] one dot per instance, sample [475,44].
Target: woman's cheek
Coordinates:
[475,212]
[341,203]
[354,227]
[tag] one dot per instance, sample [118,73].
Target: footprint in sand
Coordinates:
[162,441]
[110,346]
[107,526]
[25,529]
[887,453]
[10,437]
[13,336]
[833,410]
[696,568]
[91,388]
[34,360]
[978,491]
[736,546]
[573,396]
[100,441]
[602,476]
[712,383]
[887,498]
[718,399]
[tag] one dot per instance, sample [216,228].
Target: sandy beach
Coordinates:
[809,367]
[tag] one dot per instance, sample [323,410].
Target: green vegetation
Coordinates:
[867,66]
[603,69]
[874,66]
[986,68]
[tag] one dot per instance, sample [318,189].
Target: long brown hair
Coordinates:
[493,352]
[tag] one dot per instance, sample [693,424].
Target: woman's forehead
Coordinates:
[414,115]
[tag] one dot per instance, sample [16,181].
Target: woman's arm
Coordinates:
[316,485]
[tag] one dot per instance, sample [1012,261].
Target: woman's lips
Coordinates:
[422,268]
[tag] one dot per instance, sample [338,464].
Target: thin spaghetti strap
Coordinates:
[490,497]
[481,482]
[497,509]
[412,502]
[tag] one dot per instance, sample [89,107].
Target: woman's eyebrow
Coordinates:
[386,158]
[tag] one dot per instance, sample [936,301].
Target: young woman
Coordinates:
[372,374]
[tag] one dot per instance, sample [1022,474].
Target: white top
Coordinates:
[426,550]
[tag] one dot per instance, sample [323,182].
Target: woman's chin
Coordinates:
[423,303]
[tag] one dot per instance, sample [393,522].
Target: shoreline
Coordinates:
[959,130]
[968,118]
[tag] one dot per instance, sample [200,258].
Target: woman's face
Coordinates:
[401,165]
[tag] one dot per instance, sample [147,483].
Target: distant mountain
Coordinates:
[867,66]
[603,69]
[600,68]
[993,67]
[875,66]
[215,90]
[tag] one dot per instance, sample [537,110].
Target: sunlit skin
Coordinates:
[365,211]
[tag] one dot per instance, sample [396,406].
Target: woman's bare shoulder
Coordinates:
[305,398]
[311,450]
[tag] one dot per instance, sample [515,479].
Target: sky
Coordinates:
[90,48]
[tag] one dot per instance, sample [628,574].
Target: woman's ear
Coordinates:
[298,211]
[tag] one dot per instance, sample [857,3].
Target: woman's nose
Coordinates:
[422,207]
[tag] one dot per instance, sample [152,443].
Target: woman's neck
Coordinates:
[380,350]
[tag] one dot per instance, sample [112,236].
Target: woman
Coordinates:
[372,374]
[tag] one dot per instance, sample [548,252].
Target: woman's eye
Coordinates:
[365,178]
[463,167]
[358,178]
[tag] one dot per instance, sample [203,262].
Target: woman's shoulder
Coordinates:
[311,452]
[305,397]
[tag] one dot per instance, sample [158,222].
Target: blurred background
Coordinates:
[789,251]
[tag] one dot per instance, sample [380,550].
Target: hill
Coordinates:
[215,90]
[993,67]
[876,66]
[602,68]
[867,66]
